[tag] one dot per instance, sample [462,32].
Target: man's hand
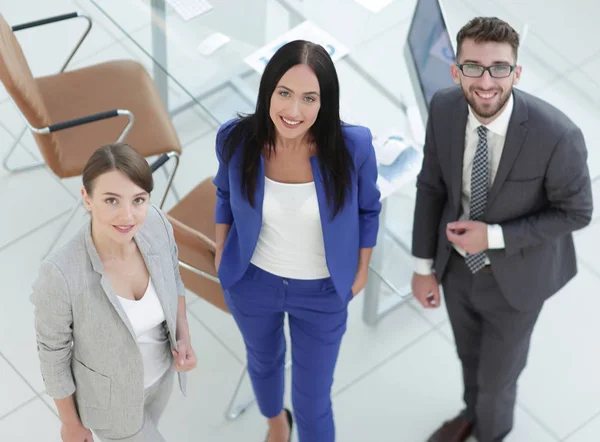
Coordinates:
[185,358]
[426,289]
[471,236]
[75,432]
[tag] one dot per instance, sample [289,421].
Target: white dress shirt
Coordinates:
[496,137]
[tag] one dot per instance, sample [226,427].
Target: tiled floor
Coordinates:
[395,381]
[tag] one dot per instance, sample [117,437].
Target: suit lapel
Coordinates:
[154,267]
[112,297]
[108,290]
[259,191]
[325,210]
[515,136]
[320,189]
[457,149]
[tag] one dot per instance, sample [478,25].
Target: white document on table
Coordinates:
[213,42]
[374,6]
[188,9]
[304,31]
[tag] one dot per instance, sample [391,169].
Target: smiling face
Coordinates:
[486,95]
[118,206]
[295,102]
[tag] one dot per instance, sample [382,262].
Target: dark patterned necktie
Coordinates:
[479,189]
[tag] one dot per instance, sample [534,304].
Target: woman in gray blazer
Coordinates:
[110,310]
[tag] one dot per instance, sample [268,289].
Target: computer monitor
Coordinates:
[429,52]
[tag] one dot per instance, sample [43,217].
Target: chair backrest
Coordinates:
[20,84]
[194,229]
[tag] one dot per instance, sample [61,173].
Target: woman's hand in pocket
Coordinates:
[360,282]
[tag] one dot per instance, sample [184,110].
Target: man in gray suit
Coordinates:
[504,183]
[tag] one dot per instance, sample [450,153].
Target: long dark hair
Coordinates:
[255,132]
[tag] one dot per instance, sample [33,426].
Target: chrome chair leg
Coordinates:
[10,152]
[63,228]
[233,412]
[170,178]
[174,190]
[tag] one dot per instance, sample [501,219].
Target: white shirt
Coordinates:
[290,243]
[496,137]
[147,319]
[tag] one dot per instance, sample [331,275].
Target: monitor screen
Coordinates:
[429,51]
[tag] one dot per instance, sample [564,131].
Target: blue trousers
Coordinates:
[317,317]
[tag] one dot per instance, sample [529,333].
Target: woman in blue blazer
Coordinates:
[297,217]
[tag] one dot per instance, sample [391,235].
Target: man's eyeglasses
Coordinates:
[476,71]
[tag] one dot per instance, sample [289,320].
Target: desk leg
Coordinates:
[376,302]
[159,50]
[374,283]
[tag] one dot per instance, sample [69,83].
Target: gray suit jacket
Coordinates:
[86,343]
[541,193]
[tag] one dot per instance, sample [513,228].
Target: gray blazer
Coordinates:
[541,194]
[86,344]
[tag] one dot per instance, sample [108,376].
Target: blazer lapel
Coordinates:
[515,136]
[325,210]
[108,290]
[154,267]
[457,149]
[259,191]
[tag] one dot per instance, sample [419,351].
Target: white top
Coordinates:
[290,243]
[148,321]
[496,136]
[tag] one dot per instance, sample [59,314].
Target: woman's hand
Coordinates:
[360,281]
[75,432]
[185,358]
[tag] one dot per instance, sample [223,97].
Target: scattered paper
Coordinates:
[304,31]
[188,9]
[374,6]
[213,42]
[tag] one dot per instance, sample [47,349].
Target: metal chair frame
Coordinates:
[158,163]
[30,25]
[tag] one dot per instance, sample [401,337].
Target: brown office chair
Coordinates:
[194,229]
[73,113]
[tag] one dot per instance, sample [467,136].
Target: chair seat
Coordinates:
[194,230]
[197,209]
[121,84]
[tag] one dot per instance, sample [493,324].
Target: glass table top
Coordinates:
[186,53]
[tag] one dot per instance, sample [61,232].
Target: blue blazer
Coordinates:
[353,228]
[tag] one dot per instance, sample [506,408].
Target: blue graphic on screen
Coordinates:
[431,48]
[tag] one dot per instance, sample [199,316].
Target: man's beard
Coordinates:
[485,111]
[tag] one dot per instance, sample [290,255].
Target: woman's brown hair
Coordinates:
[121,157]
